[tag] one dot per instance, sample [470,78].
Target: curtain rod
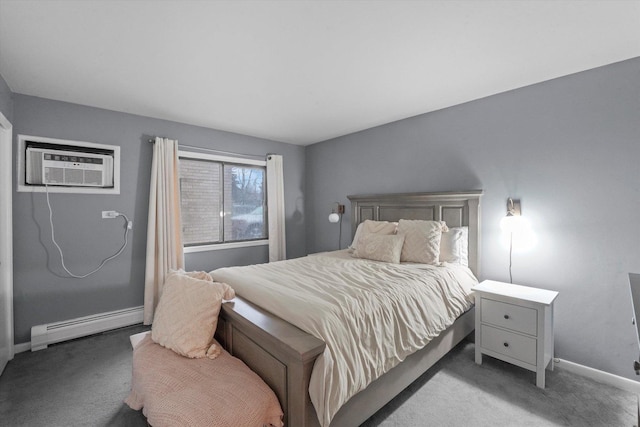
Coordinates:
[255,156]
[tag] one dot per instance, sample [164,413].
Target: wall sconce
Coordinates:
[336,216]
[336,213]
[511,223]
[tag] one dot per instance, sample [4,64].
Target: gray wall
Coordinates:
[6,103]
[568,148]
[42,291]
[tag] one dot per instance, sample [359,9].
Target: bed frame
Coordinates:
[283,355]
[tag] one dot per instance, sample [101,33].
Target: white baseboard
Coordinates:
[600,376]
[22,347]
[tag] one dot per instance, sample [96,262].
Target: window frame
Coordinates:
[224,160]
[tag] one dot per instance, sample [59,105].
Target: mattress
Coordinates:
[370,314]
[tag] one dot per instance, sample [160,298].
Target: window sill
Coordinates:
[219,246]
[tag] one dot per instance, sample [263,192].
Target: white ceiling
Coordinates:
[301,71]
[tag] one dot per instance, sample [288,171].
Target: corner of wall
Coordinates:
[6,99]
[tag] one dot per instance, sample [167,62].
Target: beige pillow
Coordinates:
[202,275]
[187,315]
[380,247]
[422,240]
[372,227]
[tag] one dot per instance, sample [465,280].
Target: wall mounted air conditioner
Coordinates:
[68,168]
[64,166]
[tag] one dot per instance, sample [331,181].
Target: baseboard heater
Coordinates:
[51,333]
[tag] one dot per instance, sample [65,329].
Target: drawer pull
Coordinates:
[506,316]
[506,344]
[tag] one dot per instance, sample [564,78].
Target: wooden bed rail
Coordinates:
[282,354]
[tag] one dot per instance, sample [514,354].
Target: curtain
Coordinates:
[164,234]
[275,208]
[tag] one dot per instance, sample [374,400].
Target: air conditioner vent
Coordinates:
[67,166]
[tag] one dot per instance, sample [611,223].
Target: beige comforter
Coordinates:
[370,314]
[173,390]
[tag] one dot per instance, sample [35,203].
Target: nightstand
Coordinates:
[515,324]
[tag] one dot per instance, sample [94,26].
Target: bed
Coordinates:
[284,355]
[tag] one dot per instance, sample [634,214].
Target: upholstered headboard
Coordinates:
[455,208]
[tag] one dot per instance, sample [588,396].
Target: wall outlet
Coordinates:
[109,214]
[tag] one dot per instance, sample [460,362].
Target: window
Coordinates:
[222,200]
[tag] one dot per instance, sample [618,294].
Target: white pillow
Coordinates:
[454,246]
[422,240]
[372,227]
[380,247]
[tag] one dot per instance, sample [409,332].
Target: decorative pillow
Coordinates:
[202,275]
[352,246]
[187,315]
[422,240]
[380,247]
[372,227]
[454,246]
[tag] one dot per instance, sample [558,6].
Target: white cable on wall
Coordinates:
[53,239]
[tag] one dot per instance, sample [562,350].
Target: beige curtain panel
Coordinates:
[164,234]
[275,206]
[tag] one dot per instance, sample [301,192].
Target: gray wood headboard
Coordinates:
[455,208]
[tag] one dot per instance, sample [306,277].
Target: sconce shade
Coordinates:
[334,217]
[511,223]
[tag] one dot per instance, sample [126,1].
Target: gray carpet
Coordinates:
[75,383]
[83,383]
[457,392]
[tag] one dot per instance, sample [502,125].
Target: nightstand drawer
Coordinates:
[509,344]
[509,316]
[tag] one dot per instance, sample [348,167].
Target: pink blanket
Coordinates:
[173,390]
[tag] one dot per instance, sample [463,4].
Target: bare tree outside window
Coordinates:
[246,220]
